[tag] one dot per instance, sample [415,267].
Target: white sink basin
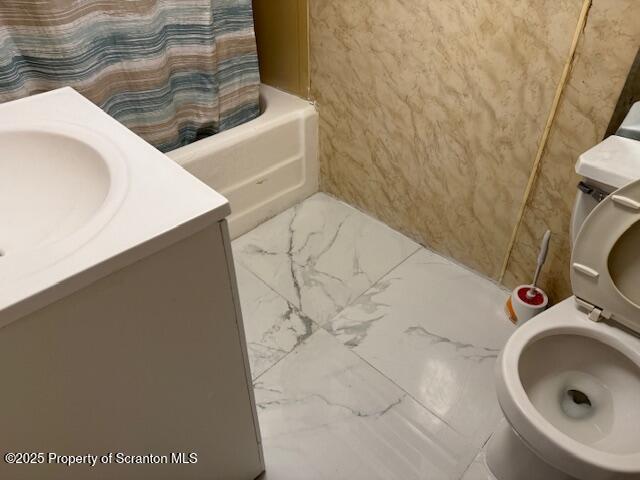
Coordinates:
[81,196]
[59,183]
[54,185]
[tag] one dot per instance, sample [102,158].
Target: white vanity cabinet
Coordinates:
[148,360]
[121,334]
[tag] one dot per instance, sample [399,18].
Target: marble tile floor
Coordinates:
[372,357]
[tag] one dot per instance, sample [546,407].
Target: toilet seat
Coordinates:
[566,454]
[567,382]
[605,265]
[605,277]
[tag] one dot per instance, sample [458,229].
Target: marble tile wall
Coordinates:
[605,53]
[432,114]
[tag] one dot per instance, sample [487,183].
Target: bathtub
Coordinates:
[263,166]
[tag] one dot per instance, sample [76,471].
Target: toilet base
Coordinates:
[509,458]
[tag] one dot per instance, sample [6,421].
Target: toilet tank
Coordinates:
[608,166]
[630,126]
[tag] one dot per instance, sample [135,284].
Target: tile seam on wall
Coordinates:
[535,168]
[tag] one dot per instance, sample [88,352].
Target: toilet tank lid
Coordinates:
[614,162]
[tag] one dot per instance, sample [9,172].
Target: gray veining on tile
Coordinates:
[273,326]
[325,414]
[322,254]
[399,382]
[434,329]
[465,350]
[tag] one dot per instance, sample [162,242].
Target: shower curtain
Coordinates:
[173,71]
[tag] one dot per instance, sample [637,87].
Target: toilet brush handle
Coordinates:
[544,248]
[542,257]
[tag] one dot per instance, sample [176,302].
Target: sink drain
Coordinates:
[576,404]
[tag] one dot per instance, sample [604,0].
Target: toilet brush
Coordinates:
[526,301]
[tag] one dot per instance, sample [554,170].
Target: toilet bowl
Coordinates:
[570,391]
[568,381]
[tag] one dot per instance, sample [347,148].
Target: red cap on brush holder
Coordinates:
[536,299]
[526,301]
[521,306]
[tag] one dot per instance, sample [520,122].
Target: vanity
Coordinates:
[120,325]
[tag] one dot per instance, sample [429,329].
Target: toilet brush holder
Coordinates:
[525,303]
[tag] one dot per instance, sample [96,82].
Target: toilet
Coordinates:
[568,381]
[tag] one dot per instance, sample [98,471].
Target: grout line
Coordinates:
[255,380]
[273,290]
[323,325]
[386,272]
[375,282]
[468,467]
[482,447]
[402,389]
[420,245]
[564,80]
[317,325]
[315,322]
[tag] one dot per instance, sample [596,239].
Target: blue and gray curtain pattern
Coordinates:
[173,71]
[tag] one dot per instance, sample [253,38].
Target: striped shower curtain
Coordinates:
[173,71]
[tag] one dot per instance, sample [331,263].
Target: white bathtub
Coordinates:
[263,166]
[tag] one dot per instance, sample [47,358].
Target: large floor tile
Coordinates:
[326,414]
[273,326]
[321,254]
[435,329]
